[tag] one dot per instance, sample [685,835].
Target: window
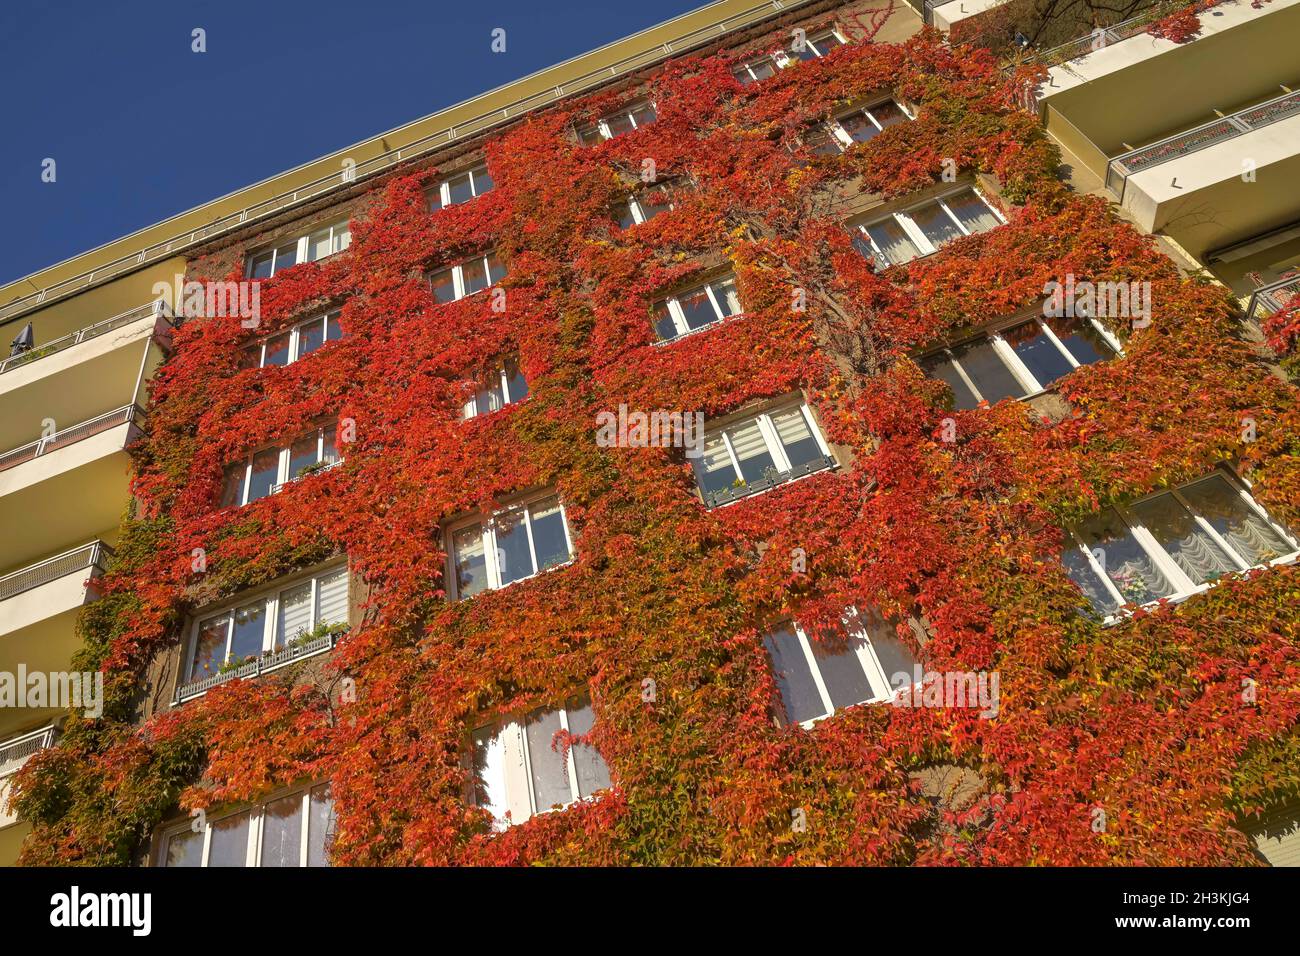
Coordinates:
[295,829]
[475,275]
[696,308]
[1021,360]
[267,471]
[267,622]
[817,677]
[516,543]
[521,769]
[817,45]
[1173,544]
[295,343]
[644,207]
[857,126]
[315,245]
[758,452]
[504,386]
[632,117]
[921,230]
[755,70]
[460,188]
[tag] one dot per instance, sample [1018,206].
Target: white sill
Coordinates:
[703,328]
[535,574]
[504,826]
[784,484]
[1127,611]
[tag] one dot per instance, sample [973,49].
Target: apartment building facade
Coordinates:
[375,549]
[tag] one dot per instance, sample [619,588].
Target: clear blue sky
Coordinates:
[141,127]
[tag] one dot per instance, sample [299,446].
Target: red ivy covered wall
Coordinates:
[1143,719]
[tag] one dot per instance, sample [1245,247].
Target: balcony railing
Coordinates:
[722,496]
[1119,169]
[416,149]
[158,308]
[91,557]
[69,436]
[1103,37]
[259,665]
[316,470]
[1268,299]
[14,753]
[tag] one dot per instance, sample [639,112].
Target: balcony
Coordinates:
[38,608]
[770,480]
[1270,298]
[262,664]
[13,754]
[69,485]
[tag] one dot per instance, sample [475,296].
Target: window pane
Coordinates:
[514,561]
[250,631]
[434,195]
[696,308]
[474,276]
[981,362]
[229,841]
[1039,353]
[295,614]
[822,143]
[261,264]
[329,444]
[1192,548]
[548,767]
[763,68]
[332,597]
[549,541]
[590,135]
[796,438]
[724,291]
[1081,572]
[593,773]
[841,670]
[184,849]
[282,832]
[665,327]
[444,289]
[311,337]
[619,124]
[482,181]
[320,826]
[1219,503]
[626,218]
[232,485]
[266,472]
[304,454]
[751,451]
[652,204]
[892,243]
[490,773]
[941,367]
[1081,339]
[333,327]
[516,384]
[277,350]
[893,656]
[794,680]
[461,189]
[319,244]
[286,255]
[859,127]
[935,224]
[825,43]
[888,113]
[210,647]
[471,564]
[342,236]
[1127,564]
[973,212]
[644,114]
[713,469]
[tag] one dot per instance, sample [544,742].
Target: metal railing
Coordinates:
[88,557]
[14,753]
[158,308]
[1102,37]
[69,436]
[1119,169]
[259,665]
[1270,298]
[318,469]
[770,480]
[418,148]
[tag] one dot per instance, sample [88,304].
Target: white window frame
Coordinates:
[295,335]
[674,308]
[282,468]
[903,218]
[855,630]
[1183,585]
[271,616]
[471,410]
[340,237]
[627,112]
[458,276]
[783,59]
[1007,353]
[443,187]
[840,136]
[488,531]
[772,441]
[519,771]
[791,57]
[255,813]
